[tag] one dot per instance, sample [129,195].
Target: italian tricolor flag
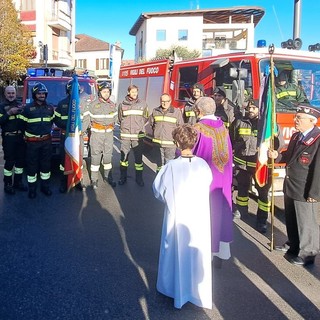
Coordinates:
[267,132]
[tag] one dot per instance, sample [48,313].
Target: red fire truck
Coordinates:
[237,72]
[55,80]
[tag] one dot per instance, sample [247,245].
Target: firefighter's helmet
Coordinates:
[39,87]
[69,87]
[104,85]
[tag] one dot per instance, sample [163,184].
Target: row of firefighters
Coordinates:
[26,137]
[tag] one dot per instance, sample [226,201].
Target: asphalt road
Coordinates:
[94,255]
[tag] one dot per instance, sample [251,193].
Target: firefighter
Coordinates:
[163,120]
[103,114]
[38,120]
[287,92]
[243,134]
[132,116]
[189,115]
[12,142]
[61,120]
[225,110]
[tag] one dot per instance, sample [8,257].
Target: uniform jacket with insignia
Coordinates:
[103,112]
[11,123]
[303,167]
[163,122]
[132,116]
[38,119]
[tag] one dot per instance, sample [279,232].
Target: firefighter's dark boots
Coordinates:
[18,184]
[45,188]
[139,179]
[109,179]
[262,226]
[8,187]
[94,184]
[32,190]
[63,184]
[81,186]
[123,175]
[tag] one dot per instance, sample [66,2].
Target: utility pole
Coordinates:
[45,54]
[296,19]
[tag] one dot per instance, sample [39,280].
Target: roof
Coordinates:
[222,15]
[86,43]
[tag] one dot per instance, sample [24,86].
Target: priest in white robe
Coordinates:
[183,184]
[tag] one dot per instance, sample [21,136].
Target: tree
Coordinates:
[181,52]
[16,48]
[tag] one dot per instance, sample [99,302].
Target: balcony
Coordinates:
[60,20]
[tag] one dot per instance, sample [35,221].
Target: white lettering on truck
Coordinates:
[153,70]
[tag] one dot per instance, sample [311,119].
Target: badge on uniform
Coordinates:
[304,159]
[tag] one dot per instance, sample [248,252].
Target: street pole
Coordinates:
[296,19]
[45,54]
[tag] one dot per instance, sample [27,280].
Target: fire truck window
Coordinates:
[155,85]
[304,76]
[141,83]
[188,76]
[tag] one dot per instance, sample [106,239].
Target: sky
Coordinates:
[111,21]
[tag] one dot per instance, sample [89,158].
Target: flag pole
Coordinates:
[273,122]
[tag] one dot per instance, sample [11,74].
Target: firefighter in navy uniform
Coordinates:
[103,115]
[12,142]
[132,116]
[61,121]
[243,134]
[38,120]
[189,115]
[163,120]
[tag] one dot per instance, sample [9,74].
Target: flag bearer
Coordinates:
[243,134]
[61,114]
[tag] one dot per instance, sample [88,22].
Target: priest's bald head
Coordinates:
[205,106]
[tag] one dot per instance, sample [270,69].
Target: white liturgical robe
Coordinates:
[184,272]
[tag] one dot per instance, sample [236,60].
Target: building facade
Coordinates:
[52,24]
[99,58]
[210,32]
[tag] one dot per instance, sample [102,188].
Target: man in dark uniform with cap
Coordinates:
[189,115]
[301,188]
[225,110]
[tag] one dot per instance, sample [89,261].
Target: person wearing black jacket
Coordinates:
[38,120]
[12,142]
[301,188]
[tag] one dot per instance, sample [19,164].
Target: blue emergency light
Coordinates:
[261,43]
[42,72]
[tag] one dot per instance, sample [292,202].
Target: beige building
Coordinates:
[211,31]
[52,23]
